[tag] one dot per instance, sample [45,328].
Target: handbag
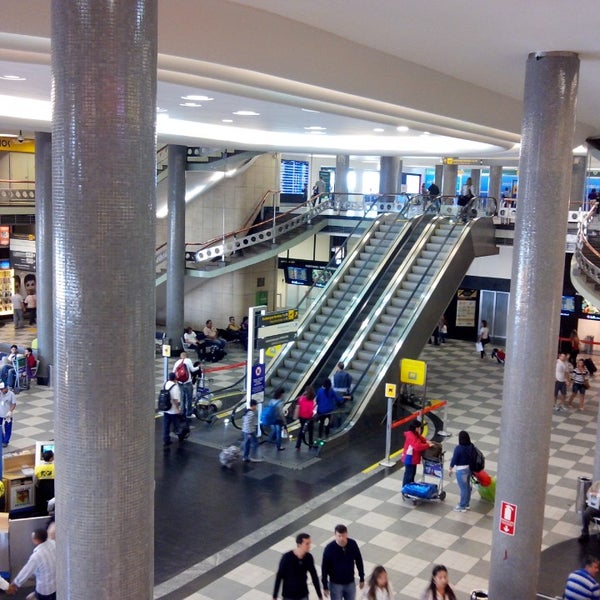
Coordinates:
[479,346]
[586,384]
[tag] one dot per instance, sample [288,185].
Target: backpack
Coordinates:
[477,462]
[269,414]
[181,372]
[164,399]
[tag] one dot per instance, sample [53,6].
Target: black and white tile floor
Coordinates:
[406,539]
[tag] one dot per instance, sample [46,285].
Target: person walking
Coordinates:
[306,411]
[579,377]
[249,426]
[183,369]
[337,569]
[327,401]
[439,588]
[582,584]
[561,379]
[172,416]
[461,459]
[42,564]
[378,586]
[8,403]
[414,445]
[484,336]
[294,566]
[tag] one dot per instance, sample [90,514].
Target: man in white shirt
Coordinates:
[171,417]
[42,564]
[8,403]
[561,380]
[185,385]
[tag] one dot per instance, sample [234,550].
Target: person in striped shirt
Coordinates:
[582,584]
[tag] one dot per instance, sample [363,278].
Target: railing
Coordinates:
[586,256]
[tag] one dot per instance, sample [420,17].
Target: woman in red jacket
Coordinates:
[306,411]
[414,445]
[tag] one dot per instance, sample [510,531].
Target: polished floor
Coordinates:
[227,529]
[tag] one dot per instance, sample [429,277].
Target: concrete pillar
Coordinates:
[389,173]
[551,81]
[176,244]
[439,175]
[578,176]
[43,253]
[495,186]
[104,205]
[450,173]
[342,166]
[476,179]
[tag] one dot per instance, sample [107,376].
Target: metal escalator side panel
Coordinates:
[475,240]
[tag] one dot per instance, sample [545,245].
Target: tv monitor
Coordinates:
[568,304]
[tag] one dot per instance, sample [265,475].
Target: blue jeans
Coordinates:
[187,394]
[342,591]
[170,421]
[275,436]
[409,474]
[6,430]
[250,445]
[463,478]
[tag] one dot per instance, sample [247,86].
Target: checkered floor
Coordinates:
[377,517]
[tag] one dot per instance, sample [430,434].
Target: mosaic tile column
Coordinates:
[495,186]
[389,174]
[43,253]
[439,175]
[342,166]
[176,245]
[449,180]
[104,170]
[551,81]
[578,180]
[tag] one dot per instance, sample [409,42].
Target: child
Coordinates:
[378,586]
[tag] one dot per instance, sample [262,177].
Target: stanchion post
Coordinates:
[390,394]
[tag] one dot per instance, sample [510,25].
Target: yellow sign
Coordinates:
[390,390]
[413,371]
[166,350]
[10,144]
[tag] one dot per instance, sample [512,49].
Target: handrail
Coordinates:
[387,296]
[587,266]
[327,293]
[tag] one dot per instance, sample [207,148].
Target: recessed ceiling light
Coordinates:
[315,128]
[161,110]
[378,129]
[12,78]
[196,98]
[426,133]
[310,110]
[246,113]
[317,132]
[227,120]
[191,104]
[402,128]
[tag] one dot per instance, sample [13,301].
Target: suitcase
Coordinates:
[590,366]
[483,478]
[420,490]
[184,429]
[215,354]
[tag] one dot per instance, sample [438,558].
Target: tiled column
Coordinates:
[342,166]
[578,195]
[476,179]
[439,175]
[104,205]
[43,253]
[551,81]
[389,174]
[495,185]
[449,180]
[176,244]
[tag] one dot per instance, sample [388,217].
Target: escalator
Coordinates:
[381,250]
[396,321]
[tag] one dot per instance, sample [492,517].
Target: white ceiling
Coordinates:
[480,48]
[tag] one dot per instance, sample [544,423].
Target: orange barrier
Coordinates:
[419,412]
[224,368]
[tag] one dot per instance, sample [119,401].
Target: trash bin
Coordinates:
[478,595]
[588,344]
[583,485]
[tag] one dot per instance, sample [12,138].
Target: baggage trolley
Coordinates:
[433,468]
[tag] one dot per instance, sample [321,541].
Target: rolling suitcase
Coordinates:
[590,366]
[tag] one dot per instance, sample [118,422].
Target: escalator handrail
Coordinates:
[590,267]
[387,297]
[327,293]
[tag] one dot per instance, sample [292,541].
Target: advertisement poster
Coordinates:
[466,308]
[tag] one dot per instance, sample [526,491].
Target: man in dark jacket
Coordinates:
[293,567]
[339,558]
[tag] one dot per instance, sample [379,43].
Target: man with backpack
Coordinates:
[273,416]
[172,412]
[183,369]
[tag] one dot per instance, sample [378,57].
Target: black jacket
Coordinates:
[293,570]
[338,563]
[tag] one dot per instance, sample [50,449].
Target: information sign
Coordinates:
[258,378]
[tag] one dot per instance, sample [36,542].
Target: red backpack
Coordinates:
[181,372]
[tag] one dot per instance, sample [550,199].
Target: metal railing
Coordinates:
[586,256]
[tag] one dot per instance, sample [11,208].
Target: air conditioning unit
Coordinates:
[573,216]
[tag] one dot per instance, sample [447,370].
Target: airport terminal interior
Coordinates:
[356,175]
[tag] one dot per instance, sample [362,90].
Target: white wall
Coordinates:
[498,266]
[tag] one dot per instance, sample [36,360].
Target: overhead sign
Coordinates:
[283,333]
[166,350]
[279,316]
[390,390]
[11,144]
[258,378]
[508,518]
[462,161]
[412,371]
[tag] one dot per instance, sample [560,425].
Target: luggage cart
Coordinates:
[433,468]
